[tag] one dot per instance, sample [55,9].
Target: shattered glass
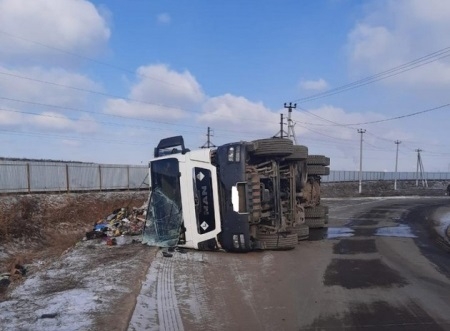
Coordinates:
[163,222]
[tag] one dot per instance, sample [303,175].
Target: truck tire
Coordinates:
[318,170]
[318,160]
[278,241]
[273,147]
[302,231]
[300,153]
[315,223]
[316,212]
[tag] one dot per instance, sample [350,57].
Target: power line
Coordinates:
[86,90]
[432,57]
[375,121]
[84,57]
[402,116]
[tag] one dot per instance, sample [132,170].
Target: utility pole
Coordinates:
[290,134]
[281,133]
[421,169]
[281,126]
[208,143]
[291,124]
[397,142]
[361,131]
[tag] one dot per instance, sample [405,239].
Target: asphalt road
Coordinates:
[377,267]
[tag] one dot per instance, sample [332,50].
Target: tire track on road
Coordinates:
[168,312]
[157,304]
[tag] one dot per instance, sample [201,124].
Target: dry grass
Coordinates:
[40,226]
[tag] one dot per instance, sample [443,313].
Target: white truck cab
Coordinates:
[183,186]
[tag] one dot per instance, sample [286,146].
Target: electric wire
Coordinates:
[429,58]
[86,58]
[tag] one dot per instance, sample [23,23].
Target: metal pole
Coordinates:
[208,143]
[290,132]
[361,131]
[397,142]
[281,126]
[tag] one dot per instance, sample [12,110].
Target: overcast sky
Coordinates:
[104,81]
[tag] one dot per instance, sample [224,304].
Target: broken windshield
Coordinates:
[164,217]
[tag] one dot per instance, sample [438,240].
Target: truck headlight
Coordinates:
[236,241]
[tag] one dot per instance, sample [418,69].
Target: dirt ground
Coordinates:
[44,234]
[45,226]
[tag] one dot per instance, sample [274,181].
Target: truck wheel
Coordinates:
[315,223]
[316,211]
[318,160]
[302,231]
[318,170]
[278,241]
[273,147]
[300,153]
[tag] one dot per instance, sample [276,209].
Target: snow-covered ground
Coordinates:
[443,225]
[73,291]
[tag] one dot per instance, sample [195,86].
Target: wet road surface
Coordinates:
[376,267]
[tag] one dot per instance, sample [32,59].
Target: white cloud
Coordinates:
[159,93]
[8,118]
[32,105]
[28,84]
[314,85]
[395,32]
[72,25]
[71,143]
[56,122]
[46,121]
[236,113]
[164,18]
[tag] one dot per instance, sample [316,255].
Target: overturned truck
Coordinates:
[242,196]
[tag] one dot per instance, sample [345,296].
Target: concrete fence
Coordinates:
[37,176]
[350,176]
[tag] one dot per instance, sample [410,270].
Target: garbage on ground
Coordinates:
[17,272]
[119,224]
[4,280]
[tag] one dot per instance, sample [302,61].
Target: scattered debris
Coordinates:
[181,250]
[4,281]
[17,272]
[120,223]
